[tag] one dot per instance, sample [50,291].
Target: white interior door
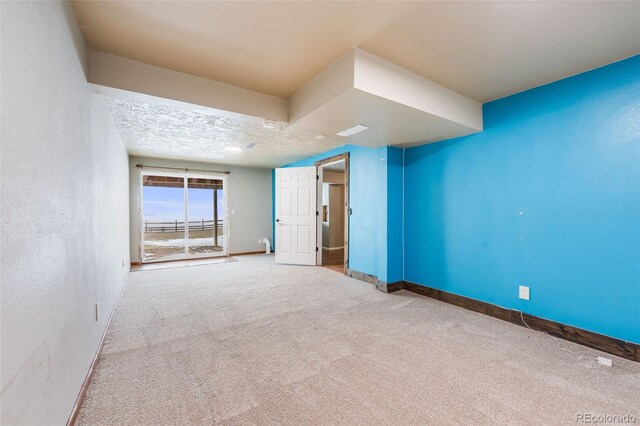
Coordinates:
[296,215]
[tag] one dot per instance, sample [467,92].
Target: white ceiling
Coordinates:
[399,107]
[153,129]
[483,50]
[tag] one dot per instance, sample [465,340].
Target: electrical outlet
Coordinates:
[97,311]
[523,292]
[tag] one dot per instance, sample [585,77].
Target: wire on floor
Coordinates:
[588,361]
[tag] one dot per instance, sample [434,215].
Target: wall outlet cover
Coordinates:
[523,292]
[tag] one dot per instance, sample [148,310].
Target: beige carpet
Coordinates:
[251,342]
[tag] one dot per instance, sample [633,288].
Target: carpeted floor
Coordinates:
[252,342]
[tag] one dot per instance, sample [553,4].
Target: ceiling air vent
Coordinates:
[353,130]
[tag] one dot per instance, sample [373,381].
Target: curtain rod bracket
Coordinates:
[141,166]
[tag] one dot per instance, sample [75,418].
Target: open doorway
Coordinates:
[333,208]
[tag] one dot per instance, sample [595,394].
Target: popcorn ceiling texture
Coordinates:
[167,132]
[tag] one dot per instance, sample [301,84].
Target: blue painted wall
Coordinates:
[395,213]
[548,196]
[375,195]
[367,198]
[381,215]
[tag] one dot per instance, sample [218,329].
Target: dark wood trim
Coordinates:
[136,263]
[243,253]
[621,348]
[393,287]
[333,159]
[347,210]
[461,301]
[372,279]
[389,287]
[361,276]
[611,345]
[92,368]
[346,157]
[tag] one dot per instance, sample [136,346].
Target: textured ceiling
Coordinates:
[481,49]
[149,129]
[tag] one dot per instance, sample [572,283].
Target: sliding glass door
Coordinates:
[205,209]
[183,216]
[163,218]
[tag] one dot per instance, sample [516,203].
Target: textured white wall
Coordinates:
[249,195]
[65,215]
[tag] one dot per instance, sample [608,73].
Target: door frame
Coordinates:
[153,171]
[347,211]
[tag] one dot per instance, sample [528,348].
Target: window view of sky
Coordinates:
[162,204]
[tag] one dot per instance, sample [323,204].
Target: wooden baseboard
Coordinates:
[372,279]
[393,287]
[361,276]
[244,253]
[87,380]
[621,348]
[389,287]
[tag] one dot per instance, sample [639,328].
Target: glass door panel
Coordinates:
[206,213]
[164,234]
